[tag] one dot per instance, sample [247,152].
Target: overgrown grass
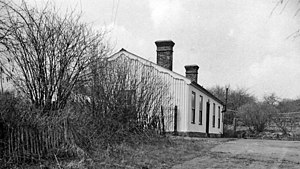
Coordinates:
[158,152]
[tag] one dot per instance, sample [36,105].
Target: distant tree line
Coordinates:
[254,114]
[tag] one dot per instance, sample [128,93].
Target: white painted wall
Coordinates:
[202,128]
[216,129]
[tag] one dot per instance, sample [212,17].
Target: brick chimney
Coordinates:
[165,53]
[191,72]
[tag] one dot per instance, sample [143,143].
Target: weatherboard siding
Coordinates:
[178,94]
[180,91]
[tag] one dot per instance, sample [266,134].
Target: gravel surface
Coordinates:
[249,153]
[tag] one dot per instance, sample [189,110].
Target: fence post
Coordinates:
[175,121]
[162,121]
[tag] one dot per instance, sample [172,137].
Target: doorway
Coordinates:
[207,118]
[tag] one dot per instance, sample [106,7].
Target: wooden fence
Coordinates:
[29,143]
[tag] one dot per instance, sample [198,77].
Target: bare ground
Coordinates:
[248,153]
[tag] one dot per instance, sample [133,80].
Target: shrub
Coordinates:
[256,115]
[228,131]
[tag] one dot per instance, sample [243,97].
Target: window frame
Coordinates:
[200,110]
[214,116]
[219,116]
[193,107]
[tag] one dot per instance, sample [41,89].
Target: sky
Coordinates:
[241,43]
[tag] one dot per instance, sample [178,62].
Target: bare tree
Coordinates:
[285,5]
[271,99]
[236,98]
[46,55]
[283,117]
[281,122]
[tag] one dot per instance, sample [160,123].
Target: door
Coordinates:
[207,118]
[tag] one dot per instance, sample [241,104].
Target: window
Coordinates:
[214,115]
[200,109]
[219,116]
[193,106]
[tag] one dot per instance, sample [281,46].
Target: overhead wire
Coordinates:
[112,11]
[116,13]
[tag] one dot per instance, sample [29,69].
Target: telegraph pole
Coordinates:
[225,108]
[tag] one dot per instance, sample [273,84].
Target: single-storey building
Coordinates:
[199,112]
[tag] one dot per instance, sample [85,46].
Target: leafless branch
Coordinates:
[47,55]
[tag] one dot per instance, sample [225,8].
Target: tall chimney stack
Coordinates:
[191,72]
[165,53]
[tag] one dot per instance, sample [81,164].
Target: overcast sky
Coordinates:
[236,42]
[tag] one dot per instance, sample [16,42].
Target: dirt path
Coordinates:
[247,153]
